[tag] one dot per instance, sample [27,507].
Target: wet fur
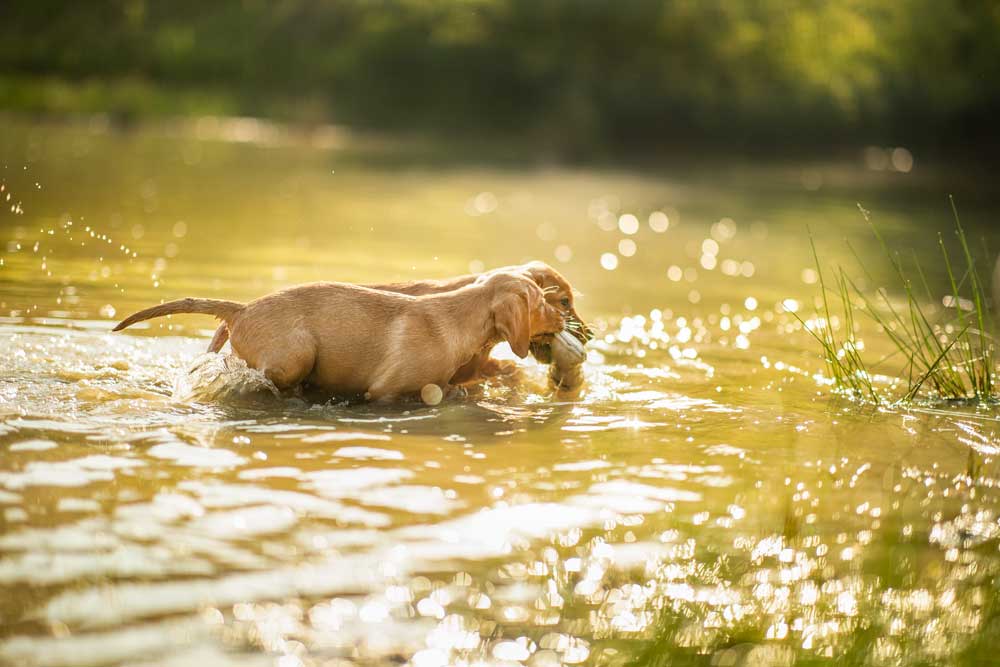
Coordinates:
[554,286]
[350,340]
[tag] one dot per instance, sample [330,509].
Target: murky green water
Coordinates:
[703,500]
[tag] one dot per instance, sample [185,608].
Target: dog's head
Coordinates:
[521,311]
[559,293]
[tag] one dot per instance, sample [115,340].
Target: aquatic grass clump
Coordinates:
[842,357]
[944,358]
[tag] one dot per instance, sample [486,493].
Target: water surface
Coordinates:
[704,499]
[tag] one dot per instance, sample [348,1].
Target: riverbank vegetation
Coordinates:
[570,77]
[943,343]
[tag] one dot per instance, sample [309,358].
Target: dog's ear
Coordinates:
[513,321]
[539,273]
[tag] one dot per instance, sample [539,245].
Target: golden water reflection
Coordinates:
[703,500]
[443,536]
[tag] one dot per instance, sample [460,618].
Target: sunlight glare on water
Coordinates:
[702,495]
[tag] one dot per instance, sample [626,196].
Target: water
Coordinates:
[704,499]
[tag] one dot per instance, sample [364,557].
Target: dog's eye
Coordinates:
[565,302]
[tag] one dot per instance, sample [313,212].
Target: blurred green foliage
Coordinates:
[570,74]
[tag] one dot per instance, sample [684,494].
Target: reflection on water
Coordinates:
[702,500]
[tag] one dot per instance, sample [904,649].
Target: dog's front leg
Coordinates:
[493,367]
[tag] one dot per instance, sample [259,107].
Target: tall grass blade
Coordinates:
[954,366]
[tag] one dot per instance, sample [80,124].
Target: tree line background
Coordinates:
[573,74]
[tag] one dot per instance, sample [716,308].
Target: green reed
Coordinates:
[842,356]
[946,358]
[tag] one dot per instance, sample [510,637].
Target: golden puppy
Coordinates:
[558,293]
[350,340]
[556,288]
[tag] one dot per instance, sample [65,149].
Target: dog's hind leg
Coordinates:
[288,370]
[286,358]
[220,338]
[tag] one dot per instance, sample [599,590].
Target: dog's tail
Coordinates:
[224,310]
